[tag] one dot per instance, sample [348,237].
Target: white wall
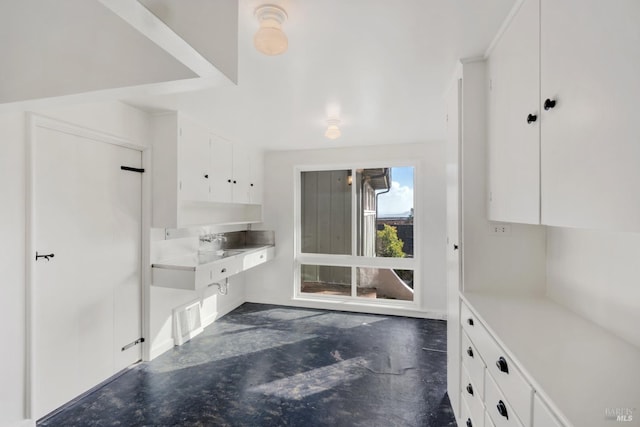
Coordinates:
[513,263]
[273,283]
[597,275]
[164,300]
[12,268]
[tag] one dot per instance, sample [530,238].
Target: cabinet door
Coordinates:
[221,177]
[256,178]
[194,161]
[514,132]
[241,174]
[590,64]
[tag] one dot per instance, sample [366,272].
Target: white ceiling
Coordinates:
[380,66]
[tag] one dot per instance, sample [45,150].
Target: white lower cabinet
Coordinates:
[466,417]
[500,410]
[542,415]
[471,397]
[487,420]
[473,364]
[498,385]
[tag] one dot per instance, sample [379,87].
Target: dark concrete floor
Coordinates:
[264,365]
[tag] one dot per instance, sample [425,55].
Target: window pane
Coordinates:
[326,212]
[325,280]
[384,283]
[385,212]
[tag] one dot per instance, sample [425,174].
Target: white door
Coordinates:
[453,245]
[87,298]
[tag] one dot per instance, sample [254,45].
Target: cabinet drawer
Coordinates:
[500,410]
[542,415]
[224,269]
[499,365]
[256,258]
[466,417]
[471,396]
[472,361]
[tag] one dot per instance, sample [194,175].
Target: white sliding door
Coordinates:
[86,302]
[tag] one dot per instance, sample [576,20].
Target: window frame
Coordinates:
[355,261]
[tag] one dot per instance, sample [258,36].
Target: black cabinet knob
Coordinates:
[549,103]
[251,185]
[470,321]
[229,181]
[455,247]
[469,423]
[234,181]
[502,409]
[224,270]
[470,389]
[531,118]
[502,365]
[206,176]
[470,352]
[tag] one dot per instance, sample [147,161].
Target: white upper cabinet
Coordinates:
[590,142]
[588,151]
[194,171]
[514,131]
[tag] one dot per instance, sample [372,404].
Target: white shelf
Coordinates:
[579,368]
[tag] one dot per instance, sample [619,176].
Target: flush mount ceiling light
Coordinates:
[333,131]
[269,39]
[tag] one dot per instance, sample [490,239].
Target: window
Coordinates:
[356,234]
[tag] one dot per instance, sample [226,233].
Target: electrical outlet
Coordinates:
[500,229]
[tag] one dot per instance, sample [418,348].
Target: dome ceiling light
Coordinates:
[270,39]
[333,131]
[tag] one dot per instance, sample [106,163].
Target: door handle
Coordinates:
[47,257]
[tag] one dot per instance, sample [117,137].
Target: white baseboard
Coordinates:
[355,307]
[230,306]
[158,349]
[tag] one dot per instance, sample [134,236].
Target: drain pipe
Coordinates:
[388,175]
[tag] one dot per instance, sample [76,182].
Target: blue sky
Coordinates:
[399,199]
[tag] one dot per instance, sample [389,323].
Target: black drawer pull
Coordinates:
[502,365]
[470,389]
[470,321]
[502,409]
[531,118]
[549,103]
[469,423]
[470,352]
[224,270]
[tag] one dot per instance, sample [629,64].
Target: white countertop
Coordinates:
[579,368]
[199,260]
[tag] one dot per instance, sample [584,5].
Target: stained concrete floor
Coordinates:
[265,365]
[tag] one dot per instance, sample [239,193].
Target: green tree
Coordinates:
[388,243]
